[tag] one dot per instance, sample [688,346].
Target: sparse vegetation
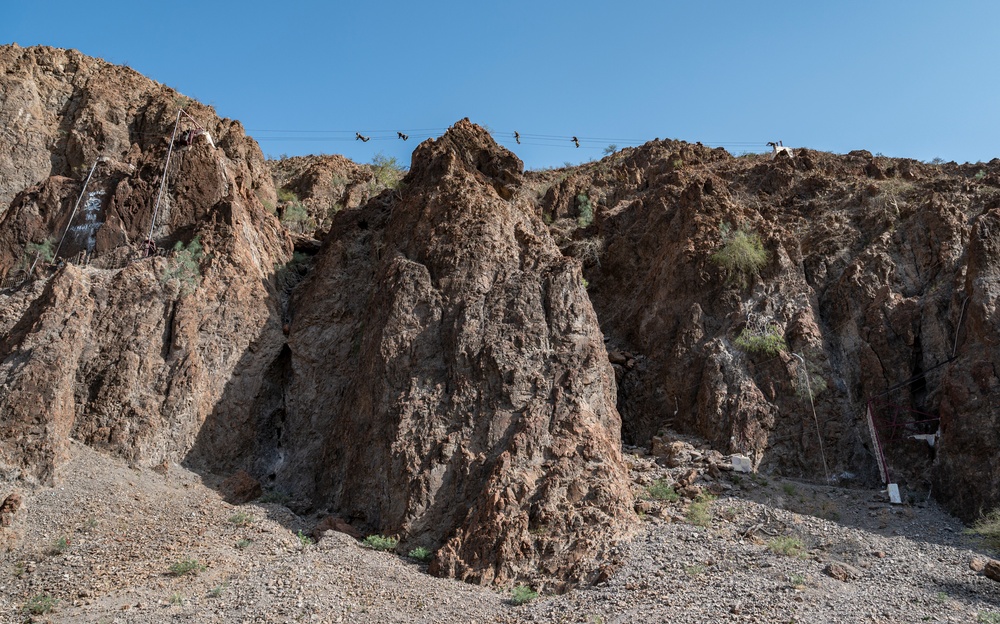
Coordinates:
[788,546]
[186,566]
[184,266]
[522,594]
[988,617]
[979,175]
[789,489]
[216,591]
[662,490]
[700,511]
[767,342]
[59,546]
[241,519]
[285,195]
[988,528]
[797,580]
[243,543]
[296,217]
[176,599]
[420,554]
[40,604]
[694,570]
[18,569]
[585,212]
[388,172]
[611,149]
[304,539]
[742,255]
[380,542]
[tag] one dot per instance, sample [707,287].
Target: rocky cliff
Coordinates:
[125,352]
[455,359]
[880,273]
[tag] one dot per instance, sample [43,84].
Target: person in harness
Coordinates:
[149,248]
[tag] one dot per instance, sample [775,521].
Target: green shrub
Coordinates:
[662,490]
[585,212]
[176,599]
[988,528]
[768,342]
[788,546]
[380,542]
[243,543]
[184,266]
[700,511]
[388,172]
[988,617]
[285,195]
[420,554]
[241,519]
[742,255]
[45,251]
[304,539]
[522,594]
[59,546]
[40,604]
[187,566]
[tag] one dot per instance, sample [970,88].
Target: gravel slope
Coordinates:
[125,528]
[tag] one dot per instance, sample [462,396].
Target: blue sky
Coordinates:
[905,78]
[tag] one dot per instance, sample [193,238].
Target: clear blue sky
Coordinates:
[907,78]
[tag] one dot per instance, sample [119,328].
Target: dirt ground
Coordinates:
[115,544]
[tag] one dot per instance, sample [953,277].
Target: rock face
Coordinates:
[126,354]
[879,273]
[449,382]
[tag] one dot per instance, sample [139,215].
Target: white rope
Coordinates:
[878,447]
[83,191]
[163,181]
[819,433]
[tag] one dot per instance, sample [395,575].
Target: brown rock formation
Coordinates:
[450,381]
[133,357]
[871,264]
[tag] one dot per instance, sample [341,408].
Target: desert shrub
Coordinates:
[304,539]
[243,543]
[988,528]
[295,216]
[380,542]
[700,511]
[768,341]
[285,195]
[420,554]
[177,599]
[788,546]
[610,149]
[40,604]
[742,255]
[388,172]
[585,212]
[241,519]
[59,546]
[184,265]
[522,594]
[662,490]
[186,566]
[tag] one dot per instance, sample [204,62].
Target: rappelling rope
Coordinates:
[163,180]
[83,191]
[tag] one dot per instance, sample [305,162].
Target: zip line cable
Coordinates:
[72,215]
[163,181]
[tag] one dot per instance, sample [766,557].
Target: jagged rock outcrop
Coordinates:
[871,262]
[127,354]
[449,382]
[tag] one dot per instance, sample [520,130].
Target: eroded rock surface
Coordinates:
[450,382]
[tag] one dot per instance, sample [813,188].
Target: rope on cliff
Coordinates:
[72,215]
[163,180]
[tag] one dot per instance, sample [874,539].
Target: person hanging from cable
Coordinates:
[360,137]
[149,248]
[517,137]
[403,136]
[576,141]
